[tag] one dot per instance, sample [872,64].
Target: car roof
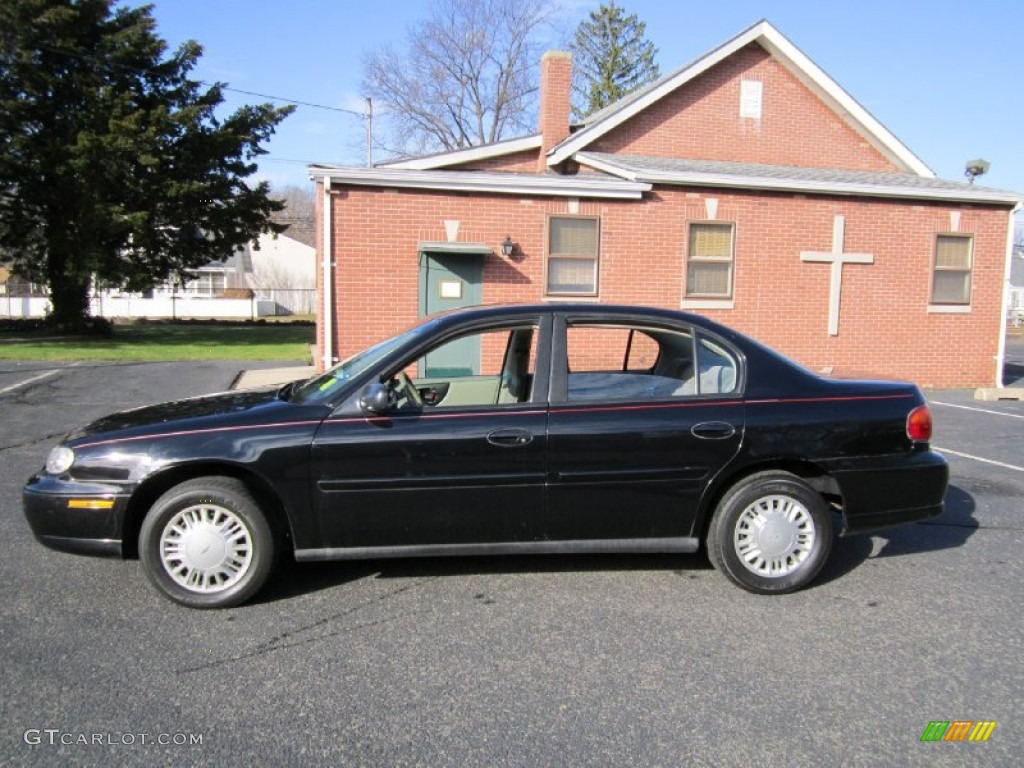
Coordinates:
[483,312]
[568,307]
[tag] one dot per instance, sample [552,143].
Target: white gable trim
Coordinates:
[789,56]
[841,102]
[548,185]
[458,156]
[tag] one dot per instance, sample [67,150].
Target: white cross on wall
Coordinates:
[837,258]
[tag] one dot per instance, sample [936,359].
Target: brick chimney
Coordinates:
[555,101]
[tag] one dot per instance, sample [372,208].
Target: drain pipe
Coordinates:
[1001,350]
[328,290]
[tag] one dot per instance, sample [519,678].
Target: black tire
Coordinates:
[771,533]
[220,550]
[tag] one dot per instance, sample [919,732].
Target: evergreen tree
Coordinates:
[611,58]
[113,164]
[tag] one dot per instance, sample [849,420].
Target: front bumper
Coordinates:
[59,524]
[885,491]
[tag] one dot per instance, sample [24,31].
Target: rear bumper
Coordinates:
[881,492]
[83,531]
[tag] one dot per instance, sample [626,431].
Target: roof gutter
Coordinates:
[546,185]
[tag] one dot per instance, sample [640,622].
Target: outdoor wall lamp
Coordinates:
[507,247]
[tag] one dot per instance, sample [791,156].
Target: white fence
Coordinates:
[160,306]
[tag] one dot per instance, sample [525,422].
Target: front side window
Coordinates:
[709,259]
[490,367]
[323,387]
[951,281]
[573,255]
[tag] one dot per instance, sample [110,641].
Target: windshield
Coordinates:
[323,386]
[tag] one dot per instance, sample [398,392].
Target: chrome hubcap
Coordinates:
[774,536]
[206,548]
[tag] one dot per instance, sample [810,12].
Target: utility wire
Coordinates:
[287,100]
[222,86]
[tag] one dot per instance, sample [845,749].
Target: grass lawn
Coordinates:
[167,341]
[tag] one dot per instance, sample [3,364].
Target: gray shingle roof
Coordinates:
[669,169]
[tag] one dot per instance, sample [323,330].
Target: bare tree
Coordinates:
[467,78]
[298,214]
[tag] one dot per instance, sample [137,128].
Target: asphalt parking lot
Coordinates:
[560,661]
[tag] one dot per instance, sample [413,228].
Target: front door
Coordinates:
[464,466]
[450,281]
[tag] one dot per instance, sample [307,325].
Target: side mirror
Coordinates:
[375,398]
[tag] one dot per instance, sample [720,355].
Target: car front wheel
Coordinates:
[206,543]
[771,533]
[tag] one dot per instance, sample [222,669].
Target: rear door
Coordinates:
[642,417]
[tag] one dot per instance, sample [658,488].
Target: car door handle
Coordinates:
[713,430]
[509,438]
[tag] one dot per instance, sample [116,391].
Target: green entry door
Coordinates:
[450,281]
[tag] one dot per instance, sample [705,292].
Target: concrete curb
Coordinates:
[999,393]
[272,377]
[275,377]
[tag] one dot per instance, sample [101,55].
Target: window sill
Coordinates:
[949,309]
[706,304]
[572,298]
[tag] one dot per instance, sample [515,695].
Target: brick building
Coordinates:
[746,186]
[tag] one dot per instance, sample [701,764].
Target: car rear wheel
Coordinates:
[206,543]
[771,533]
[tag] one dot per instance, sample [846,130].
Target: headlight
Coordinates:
[60,460]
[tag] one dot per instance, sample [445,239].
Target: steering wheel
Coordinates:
[407,396]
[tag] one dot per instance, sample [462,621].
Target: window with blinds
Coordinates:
[709,260]
[951,280]
[573,255]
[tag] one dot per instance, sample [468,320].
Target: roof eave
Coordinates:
[475,181]
[820,188]
[468,155]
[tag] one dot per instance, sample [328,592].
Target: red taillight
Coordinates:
[919,424]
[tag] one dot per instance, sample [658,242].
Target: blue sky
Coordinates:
[945,77]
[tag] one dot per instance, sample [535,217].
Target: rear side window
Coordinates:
[607,348]
[607,362]
[716,367]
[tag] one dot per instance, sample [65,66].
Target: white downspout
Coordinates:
[328,297]
[1001,350]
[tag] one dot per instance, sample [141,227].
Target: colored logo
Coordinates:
[958,730]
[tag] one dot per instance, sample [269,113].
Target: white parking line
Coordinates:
[979,458]
[26,382]
[979,410]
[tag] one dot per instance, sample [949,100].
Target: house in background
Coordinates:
[747,186]
[283,270]
[1015,296]
[277,279]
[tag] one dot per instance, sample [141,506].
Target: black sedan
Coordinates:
[501,430]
